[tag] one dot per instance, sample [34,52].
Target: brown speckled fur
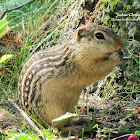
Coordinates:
[51,80]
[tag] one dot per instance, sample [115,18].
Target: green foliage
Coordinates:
[17,15]
[23,136]
[137,133]
[31,30]
[113,7]
[5,58]
[3,27]
[29,135]
[28,25]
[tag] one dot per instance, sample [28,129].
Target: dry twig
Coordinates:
[21,112]
[15,8]
[127,58]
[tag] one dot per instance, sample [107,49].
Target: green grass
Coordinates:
[27,23]
[29,135]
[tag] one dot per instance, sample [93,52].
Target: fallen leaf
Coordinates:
[5,58]
[4,28]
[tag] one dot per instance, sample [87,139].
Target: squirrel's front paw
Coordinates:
[117,55]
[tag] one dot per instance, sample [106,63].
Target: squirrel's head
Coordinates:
[98,41]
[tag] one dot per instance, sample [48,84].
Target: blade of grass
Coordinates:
[47,37]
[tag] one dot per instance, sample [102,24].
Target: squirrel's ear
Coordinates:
[81,32]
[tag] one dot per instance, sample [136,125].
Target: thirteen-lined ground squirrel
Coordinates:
[51,80]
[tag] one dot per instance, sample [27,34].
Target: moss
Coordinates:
[112,8]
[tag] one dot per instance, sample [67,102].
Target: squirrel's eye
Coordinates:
[99,36]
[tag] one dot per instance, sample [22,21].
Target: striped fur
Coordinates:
[51,80]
